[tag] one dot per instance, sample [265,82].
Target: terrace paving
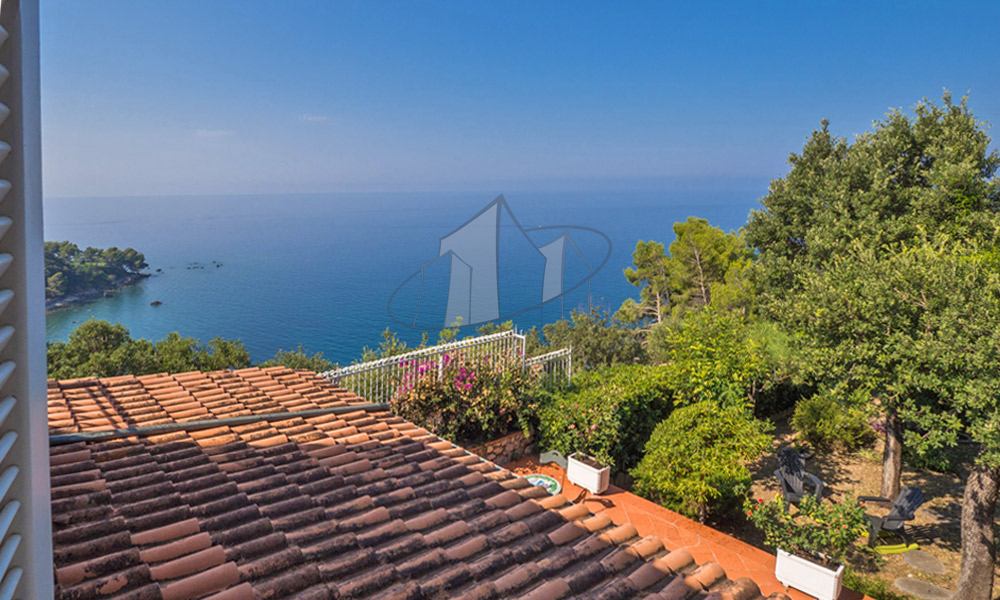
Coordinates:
[705,544]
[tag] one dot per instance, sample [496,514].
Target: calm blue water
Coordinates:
[319,270]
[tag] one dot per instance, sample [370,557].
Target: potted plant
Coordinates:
[588,472]
[811,544]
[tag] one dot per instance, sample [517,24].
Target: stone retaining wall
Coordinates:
[505,449]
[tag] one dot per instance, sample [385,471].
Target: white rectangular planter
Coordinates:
[595,480]
[807,576]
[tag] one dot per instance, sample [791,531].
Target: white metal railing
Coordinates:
[555,367]
[380,380]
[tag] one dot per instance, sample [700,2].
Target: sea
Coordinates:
[319,271]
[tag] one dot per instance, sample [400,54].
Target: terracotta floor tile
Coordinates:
[738,558]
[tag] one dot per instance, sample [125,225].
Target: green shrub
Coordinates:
[872,586]
[710,355]
[700,455]
[827,423]
[608,414]
[597,337]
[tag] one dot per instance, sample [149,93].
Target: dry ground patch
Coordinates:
[936,528]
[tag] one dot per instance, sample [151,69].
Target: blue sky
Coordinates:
[179,97]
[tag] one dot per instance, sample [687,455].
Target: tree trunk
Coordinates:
[702,512]
[701,278]
[975,581]
[892,457]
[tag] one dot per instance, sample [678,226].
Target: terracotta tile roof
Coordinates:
[355,505]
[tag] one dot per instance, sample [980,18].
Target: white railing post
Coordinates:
[380,380]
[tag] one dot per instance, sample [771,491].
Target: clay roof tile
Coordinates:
[361,505]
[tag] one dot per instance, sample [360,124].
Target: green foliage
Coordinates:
[818,528]
[827,422]
[176,354]
[699,455]
[299,359]
[598,339]
[534,345]
[69,270]
[932,171]
[707,262]
[608,414]
[918,327]
[650,273]
[705,266]
[472,401]
[100,349]
[780,389]
[710,355]
[390,345]
[450,334]
[939,460]
[872,586]
[491,328]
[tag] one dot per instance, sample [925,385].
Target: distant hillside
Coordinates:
[73,275]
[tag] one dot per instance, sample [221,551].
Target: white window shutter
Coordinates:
[25,520]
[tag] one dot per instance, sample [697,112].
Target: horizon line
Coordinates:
[601,185]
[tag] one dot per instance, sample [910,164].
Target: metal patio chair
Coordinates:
[793,479]
[903,507]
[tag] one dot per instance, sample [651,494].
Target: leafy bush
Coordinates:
[817,529]
[608,414]
[598,339]
[471,401]
[710,355]
[870,586]
[826,422]
[700,454]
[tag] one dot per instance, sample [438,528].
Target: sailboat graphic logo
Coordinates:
[491,269]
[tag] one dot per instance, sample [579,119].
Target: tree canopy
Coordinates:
[598,338]
[929,171]
[704,266]
[878,255]
[705,259]
[69,270]
[299,359]
[100,349]
[915,331]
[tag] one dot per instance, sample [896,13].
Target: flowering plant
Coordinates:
[828,531]
[466,399]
